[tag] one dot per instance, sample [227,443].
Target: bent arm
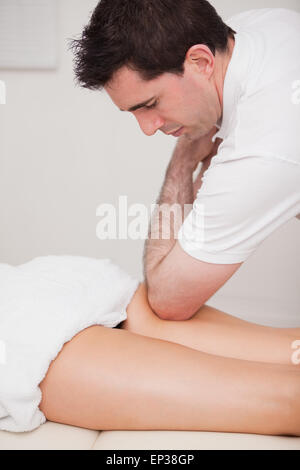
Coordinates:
[176,198]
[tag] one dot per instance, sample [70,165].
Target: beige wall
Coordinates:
[65,150]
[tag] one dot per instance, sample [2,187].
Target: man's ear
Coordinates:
[201,56]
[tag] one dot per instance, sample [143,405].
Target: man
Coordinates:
[180,69]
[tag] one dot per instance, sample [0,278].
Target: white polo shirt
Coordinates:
[252,186]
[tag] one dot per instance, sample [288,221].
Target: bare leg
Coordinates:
[110,379]
[214,332]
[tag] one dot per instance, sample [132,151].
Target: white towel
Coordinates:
[43,304]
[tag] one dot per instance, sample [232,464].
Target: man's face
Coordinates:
[190,103]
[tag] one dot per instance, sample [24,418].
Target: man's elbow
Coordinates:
[166,311]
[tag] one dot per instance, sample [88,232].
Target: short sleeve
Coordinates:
[240,203]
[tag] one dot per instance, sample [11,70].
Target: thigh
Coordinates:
[141,319]
[110,379]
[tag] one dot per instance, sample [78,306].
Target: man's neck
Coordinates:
[221,75]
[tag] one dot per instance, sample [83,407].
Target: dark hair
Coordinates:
[149,36]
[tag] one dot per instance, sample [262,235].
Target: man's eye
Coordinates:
[152,105]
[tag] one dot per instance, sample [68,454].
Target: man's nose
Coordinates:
[150,124]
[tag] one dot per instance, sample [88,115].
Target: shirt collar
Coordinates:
[233,84]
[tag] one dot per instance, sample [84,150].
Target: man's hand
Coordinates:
[199,149]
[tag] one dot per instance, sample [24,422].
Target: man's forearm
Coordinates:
[177,189]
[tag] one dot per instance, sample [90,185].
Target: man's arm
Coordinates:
[178,285]
[179,189]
